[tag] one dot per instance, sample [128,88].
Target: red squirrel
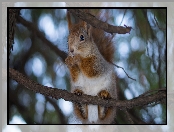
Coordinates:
[89,57]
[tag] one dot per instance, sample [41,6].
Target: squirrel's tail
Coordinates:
[104,43]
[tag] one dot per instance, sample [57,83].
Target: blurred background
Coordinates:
[142,54]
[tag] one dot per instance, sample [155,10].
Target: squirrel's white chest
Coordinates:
[92,86]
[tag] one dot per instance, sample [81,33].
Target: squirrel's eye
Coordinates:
[81,38]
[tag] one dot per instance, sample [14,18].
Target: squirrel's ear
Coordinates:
[87,27]
[69,21]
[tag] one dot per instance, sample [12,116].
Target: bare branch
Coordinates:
[92,20]
[35,30]
[13,13]
[87,99]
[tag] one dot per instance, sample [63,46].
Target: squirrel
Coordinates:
[90,52]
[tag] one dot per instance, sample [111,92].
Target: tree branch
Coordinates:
[39,34]
[13,13]
[92,20]
[87,99]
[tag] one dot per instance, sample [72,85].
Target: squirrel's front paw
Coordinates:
[78,92]
[72,60]
[104,94]
[104,111]
[80,109]
[69,61]
[76,59]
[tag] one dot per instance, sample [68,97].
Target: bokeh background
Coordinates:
[142,53]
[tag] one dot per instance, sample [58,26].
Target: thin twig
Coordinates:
[124,71]
[158,24]
[123,17]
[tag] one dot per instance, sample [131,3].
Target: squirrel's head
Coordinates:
[80,41]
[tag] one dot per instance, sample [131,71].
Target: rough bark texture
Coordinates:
[87,99]
[99,24]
